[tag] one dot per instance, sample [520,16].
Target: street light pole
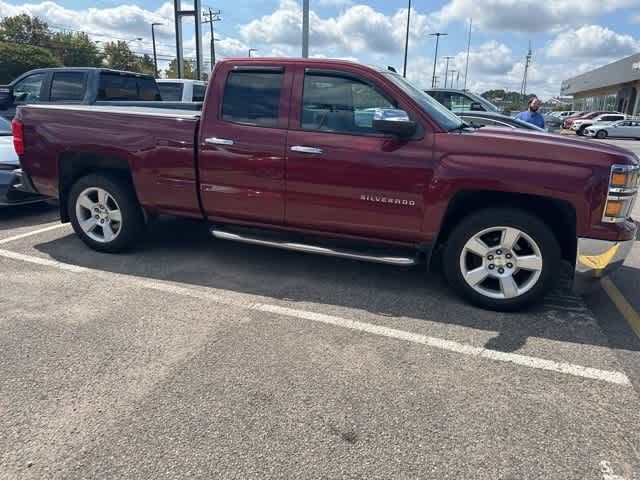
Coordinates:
[305,28]
[406,42]
[435,58]
[446,70]
[155,55]
[452,72]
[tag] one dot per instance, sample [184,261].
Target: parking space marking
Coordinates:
[55,226]
[608,376]
[622,304]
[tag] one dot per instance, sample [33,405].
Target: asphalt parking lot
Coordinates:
[195,358]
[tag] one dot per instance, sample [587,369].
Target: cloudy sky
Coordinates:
[567,37]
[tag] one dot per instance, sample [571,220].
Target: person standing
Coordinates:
[531,115]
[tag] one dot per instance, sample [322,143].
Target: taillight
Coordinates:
[18,137]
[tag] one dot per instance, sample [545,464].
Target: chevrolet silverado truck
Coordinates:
[335,158]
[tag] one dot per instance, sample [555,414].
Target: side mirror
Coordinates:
[393,121]
[476,107]
[6,97]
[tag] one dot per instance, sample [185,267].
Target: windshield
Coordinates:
[483,101]
[434,109]
[171,91]
[5,127]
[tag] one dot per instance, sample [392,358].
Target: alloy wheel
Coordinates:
[98,215]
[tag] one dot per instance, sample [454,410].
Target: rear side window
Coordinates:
[148,89]
[67,86]
[117,87]
[171,92]
[198,93]
[252,98]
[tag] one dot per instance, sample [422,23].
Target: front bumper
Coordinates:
[16,189]
[597,259]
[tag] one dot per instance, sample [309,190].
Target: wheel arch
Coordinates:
[74,165]
[558,215]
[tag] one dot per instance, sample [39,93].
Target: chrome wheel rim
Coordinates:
[501,262]
[99,215]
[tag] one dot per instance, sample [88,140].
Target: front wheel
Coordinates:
[502,259]
[105,212]
[601,134]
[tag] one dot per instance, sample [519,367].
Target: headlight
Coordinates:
[623,187]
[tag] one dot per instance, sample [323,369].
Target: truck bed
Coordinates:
[156,145]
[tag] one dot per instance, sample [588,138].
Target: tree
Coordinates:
[26,30]
[172,70]
[16,59]
[145,65]
[119,56]
[76,50]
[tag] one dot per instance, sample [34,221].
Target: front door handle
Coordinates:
[303,149]
[218,141]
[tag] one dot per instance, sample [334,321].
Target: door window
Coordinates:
[67,86]
[28,89]
[460,103]
[114,86]
[340,104]
[252,98]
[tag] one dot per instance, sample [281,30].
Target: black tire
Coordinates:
[532,226]
[580,131]
[601,134]
[119,188]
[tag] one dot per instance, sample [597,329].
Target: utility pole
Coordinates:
[446,71]
[435,57]
[466,68]
[252,50]
[305,28]
[406,42]
[212,16]
[452,72]
[155,55]
[523,90]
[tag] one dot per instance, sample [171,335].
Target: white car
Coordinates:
[182,90]
[622,129]
[10,173]
[579,126]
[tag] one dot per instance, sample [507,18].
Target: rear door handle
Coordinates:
[218,141]
[303,149]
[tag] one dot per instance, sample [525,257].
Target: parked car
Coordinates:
[280,157]
[490,119]
[182,90]
[552,123]
[581,124]
[462,100]
[10,173]
[568,123]
[82,86]
[563,114]
[621,129]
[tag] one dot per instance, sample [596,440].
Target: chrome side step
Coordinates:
[303,247]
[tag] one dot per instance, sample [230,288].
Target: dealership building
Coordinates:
[613,87]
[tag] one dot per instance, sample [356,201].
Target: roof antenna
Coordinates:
[390,68]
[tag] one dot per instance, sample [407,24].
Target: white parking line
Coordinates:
[33,232]
[608,376]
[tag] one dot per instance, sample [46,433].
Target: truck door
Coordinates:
[342,175]
[242,144]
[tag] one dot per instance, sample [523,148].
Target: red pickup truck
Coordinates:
[336,158]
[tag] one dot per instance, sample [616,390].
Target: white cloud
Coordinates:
[592,41]
[528,15]
[335,3]
[358,29]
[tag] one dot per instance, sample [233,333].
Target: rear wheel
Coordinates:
[601,134]
[105,212]
[502,259]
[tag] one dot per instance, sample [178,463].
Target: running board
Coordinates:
[303,247]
